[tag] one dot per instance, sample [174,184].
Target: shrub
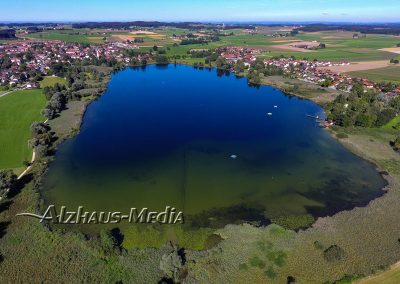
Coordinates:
[7,181]
[255,261]
[294,222]
[270,272]
[334,253]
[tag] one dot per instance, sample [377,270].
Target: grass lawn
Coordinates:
[392,123]
[387,74]
[50,81]
[17,112]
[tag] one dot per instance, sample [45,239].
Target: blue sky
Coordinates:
[201,10]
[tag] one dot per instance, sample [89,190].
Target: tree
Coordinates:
[57,102]
[7,182]
[365,120]
[385,116]
[38,128]
[254,78]
[111,240]
[161,59]
[48,113]
[172,265]
[357,89]
[239,66]
[334,253]
[326,83]
[41,150]
[221,63]
[396,143]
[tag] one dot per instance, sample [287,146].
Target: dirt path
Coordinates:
[5,94]
[32,160]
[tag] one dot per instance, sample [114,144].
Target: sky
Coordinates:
[202,10]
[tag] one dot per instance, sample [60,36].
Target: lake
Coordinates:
[211,146]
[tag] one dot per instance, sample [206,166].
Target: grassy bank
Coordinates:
[50,81]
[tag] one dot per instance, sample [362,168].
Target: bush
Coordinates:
[257,262]
[396,143]
[334,253]
[41,151]
[294,222]
[7,181]
[162,60]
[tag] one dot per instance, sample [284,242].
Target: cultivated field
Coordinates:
[340,46]
[360,66]
[388,74]
[392,49]
[80,36]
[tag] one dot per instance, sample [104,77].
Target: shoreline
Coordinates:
[345,143]
[319,223]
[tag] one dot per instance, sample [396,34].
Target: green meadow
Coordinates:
[340,46]
[17,112]
[80,36]
[394,122]
[50,81]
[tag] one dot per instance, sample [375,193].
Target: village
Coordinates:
[317,72]
[22,60]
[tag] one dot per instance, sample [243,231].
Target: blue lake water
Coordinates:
[205,144]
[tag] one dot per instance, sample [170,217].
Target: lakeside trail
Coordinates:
[5,94]
[32,160]
[12,91]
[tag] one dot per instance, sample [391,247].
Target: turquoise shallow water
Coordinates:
[205,144]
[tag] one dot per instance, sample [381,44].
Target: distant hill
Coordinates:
[8,33]
[389,29]
[155,24]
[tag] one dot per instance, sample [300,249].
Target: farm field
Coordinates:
[17,112]
[388,74]
[340,45]
[80,36]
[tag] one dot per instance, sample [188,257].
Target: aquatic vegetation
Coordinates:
[294,222]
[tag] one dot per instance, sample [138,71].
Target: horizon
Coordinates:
[287,23]
[251,11]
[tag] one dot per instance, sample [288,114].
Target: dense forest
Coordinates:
[388,29]
[8,33]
